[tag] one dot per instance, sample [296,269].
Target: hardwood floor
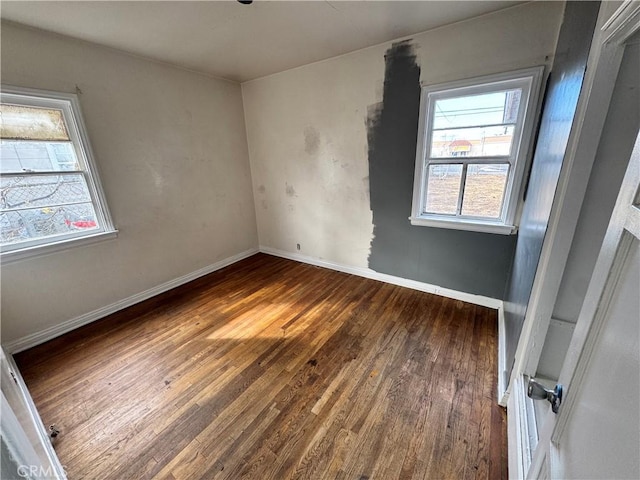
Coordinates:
[272,369]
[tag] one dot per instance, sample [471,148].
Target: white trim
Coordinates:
[60,246]
[518,446]
[530,81]
[560,323]
[43,435]
[383,277]
[503,371]
[624,22]
[50,333]
[69,105]
[522,433]
[468,225]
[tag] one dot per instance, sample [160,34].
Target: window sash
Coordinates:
[487,160]
[465,161]
[465,164]
[529,82]
[69,105]
[50,146]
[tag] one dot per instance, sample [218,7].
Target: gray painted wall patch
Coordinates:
[466,261]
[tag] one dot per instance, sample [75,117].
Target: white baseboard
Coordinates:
[50,333]
[383,277]
[37,338]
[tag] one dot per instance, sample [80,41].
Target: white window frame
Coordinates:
[530,80]
[69,105]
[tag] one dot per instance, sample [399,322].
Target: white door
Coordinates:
[25,449]
[596,432]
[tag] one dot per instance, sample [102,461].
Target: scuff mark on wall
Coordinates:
[290,191]
[311,140]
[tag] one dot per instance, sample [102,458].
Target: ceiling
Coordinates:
[242,42]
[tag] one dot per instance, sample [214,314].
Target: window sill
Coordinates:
[468,225]
[41,250]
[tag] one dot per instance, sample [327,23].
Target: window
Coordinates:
[50,197]
[473,139]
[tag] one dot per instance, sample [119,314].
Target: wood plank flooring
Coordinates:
[273,369]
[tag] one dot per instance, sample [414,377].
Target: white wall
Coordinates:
[171,150]
[171,147]
[307,130]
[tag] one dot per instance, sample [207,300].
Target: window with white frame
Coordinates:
[50,196]
[472,146]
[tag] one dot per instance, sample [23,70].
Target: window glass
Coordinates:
[42,223]
[444,188]
[476,110]
[26,156]
[42,190]
[472,142]
[484,190]
[31,123]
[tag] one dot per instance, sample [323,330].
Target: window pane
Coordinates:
[31,123]
[18,192]
[484,190]
[46,181]
[21,156]
[472,142]
[443,188]
[19,226]
[474,110]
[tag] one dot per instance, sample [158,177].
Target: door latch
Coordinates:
[537,391]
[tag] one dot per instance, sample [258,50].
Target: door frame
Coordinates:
[623,230]
[51,467]
[613,28]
